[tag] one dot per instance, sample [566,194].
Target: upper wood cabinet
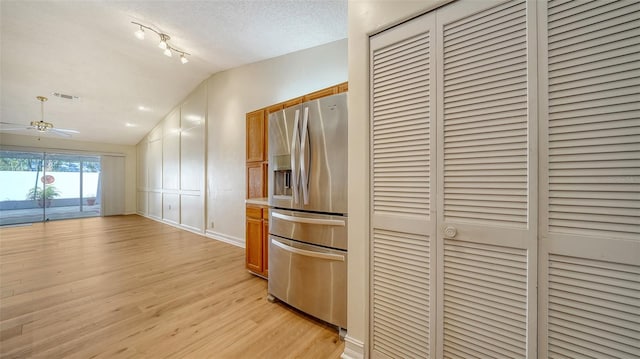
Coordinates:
[343,87]
[256,136]
[321,93]
[256,180]
[274,108]
[293,102]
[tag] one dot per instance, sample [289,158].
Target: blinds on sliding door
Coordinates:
[113,185]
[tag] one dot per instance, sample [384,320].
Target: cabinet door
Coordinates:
[254,245]
[255,136]
[265,247]
[256,173]
[487,176]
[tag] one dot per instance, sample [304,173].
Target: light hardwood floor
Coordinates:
[130,287]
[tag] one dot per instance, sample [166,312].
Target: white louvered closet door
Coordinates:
[487,180]
[402,218]
[590,179]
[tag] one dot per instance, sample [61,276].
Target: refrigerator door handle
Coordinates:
[320,221]
[304,252]
[295,153]
[305,156]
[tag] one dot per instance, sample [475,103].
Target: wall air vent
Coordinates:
[65,96]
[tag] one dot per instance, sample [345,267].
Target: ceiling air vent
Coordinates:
[65,96]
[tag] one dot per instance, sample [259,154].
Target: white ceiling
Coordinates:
[87,49]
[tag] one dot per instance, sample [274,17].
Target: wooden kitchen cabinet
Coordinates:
[257,240]
[257,180]
[256,131]
[343,87]
[321,93]
[293,102]
[265,242]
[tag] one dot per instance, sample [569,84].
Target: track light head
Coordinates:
[167,52]
[140,33]
[163,41]
[183,59]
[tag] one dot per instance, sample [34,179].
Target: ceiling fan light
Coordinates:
[167,52]
[183,59]
[140,33]
[41,126]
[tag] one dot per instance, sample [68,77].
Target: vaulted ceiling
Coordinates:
[125,85]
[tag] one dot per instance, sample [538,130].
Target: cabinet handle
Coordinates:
[304,252]
[326,222]
[295,153]
[304,156]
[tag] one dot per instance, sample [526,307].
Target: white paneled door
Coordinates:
[505,184]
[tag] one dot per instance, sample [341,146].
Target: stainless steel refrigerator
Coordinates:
[308,215]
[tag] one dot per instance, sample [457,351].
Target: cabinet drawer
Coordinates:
[254,212]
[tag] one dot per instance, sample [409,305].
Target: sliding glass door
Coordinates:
[48,186]
[21,192]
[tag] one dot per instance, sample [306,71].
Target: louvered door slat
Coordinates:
[597,302]
[615,96]
[402,229]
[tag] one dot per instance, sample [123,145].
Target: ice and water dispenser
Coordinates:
[281,166]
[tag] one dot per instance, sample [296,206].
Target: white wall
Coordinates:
[235,92]
[366,17]
[51,144]
[171,166]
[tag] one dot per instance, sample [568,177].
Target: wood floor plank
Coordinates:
[131,287]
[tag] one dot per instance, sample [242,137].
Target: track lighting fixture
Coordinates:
[164,44]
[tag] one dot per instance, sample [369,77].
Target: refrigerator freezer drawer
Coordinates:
[321,229]
[310,278]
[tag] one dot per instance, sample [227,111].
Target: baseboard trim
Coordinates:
[353,348]
[225,238]
[238,242]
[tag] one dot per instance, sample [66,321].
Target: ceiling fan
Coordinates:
[40,126]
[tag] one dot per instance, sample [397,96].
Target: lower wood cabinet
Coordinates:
[257,241]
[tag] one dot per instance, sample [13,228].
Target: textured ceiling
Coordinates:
[87,49]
